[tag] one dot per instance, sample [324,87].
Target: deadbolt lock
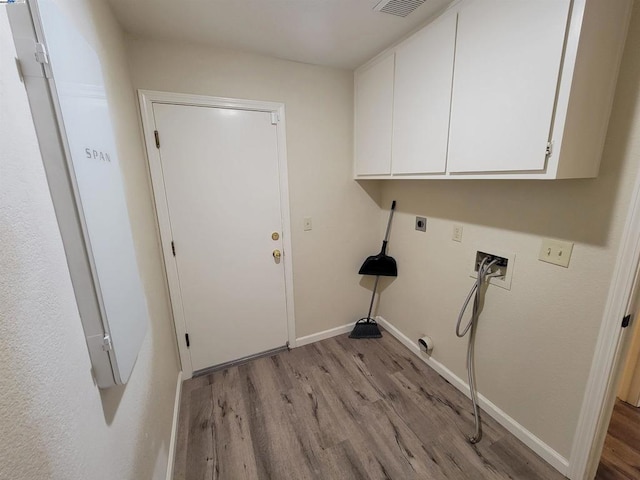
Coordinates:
[275,236]
[277,254]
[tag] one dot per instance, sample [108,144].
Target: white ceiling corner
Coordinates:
[337,33]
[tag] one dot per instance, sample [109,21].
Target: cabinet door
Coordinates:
[508,57]
[373,118]
[422,99]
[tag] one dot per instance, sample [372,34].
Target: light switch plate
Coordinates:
[307,224]
[457,233]
[556,252]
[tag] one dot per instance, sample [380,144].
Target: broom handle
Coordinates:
[386,235]
[373,296]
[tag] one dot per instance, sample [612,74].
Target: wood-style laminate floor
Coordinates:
[340,409]
[621,455]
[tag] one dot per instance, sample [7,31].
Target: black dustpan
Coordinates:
[378,265]
[381,264]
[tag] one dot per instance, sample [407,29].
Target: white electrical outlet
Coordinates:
[457,233]
[556,252]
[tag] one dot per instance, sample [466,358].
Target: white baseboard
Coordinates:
[332,332]
[547,453]
[174,427]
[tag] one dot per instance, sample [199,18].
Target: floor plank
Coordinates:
[200,443]
[340,409]
[232,442]
[621,455]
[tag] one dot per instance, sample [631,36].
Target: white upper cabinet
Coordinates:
[508,58]
[495,89]
[373,114]
[422,98]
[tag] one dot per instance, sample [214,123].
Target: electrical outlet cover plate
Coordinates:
[502,282]
[421,224]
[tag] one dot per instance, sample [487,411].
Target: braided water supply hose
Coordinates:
[484,274]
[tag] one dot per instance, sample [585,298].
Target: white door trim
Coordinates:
[146,99]
[601,388]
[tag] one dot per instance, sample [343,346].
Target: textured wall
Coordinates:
[319,116]
[54,422]
[535,343]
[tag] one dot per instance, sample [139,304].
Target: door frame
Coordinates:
[146,99]
[610,349]
[629,388]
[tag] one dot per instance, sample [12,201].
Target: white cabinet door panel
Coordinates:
[422,99]
[508,57]
[373,114]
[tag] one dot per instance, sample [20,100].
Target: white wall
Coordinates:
[535,343]
[54,422]
[319,114]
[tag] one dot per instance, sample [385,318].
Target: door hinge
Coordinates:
[41,54]
[186,337]
[549,149]
[106,343]
[19,69]
[173,248]
[157,136]
[275,118]
[626,321]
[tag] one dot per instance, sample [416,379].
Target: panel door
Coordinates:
[508,58]
[220,171]
[422,99]
[373,114]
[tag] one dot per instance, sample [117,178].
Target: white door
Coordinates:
[507,67]
[629,388]
[422,99]
[374,115]
[221,180]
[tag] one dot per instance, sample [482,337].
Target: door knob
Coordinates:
[277,254]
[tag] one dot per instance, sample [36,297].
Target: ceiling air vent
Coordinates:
[400,8]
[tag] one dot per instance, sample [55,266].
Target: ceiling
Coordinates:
[337,33]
